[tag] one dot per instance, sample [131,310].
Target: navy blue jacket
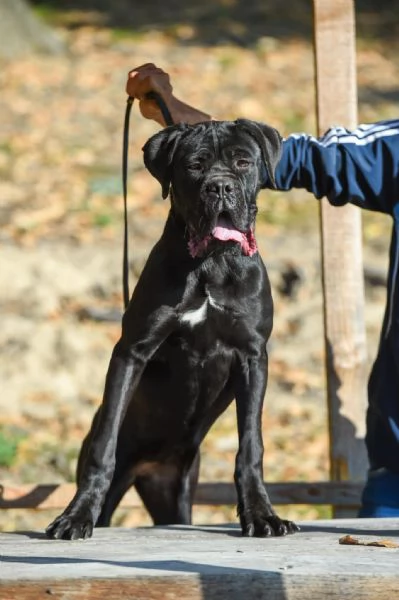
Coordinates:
[361,167]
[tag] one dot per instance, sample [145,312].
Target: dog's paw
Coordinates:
[266,526]
[70,527]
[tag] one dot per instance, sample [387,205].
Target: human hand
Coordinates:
[148,78]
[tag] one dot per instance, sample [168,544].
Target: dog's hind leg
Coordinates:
[167,491]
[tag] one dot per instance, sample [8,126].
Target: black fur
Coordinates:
[193,339]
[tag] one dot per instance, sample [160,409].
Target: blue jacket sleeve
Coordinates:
[360,166]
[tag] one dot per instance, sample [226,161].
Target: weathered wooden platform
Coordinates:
[206,563]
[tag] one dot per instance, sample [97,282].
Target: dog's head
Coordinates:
[215,171]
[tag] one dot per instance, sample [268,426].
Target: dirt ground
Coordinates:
[61,240]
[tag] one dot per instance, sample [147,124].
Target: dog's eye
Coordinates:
[243,163]
[195,166]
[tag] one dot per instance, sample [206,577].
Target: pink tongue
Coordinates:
[224,234]
[225,231]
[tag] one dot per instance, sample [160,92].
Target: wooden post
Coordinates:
[343,285]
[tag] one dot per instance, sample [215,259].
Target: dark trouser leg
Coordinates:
[381,494]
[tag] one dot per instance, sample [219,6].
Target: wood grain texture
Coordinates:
[343,285]
[45,497]
[203,563]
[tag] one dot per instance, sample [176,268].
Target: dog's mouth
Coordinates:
[224,231]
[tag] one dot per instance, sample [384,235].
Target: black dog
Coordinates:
[193,339]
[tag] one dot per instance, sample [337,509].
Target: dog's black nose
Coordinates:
[220,187]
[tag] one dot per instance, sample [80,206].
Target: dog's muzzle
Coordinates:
[220,199]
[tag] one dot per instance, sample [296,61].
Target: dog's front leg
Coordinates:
[126,367]
[257,516]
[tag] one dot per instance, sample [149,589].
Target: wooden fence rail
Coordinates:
[57,496]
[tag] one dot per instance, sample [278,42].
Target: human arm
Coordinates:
[359,166]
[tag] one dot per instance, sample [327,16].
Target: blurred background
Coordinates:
[63,69]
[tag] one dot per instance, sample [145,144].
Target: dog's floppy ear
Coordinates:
[269,140]
[159,151]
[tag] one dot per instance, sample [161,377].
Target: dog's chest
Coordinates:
[221,303]
[208,308]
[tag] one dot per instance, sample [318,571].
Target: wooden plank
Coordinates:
[203,563]
[343,286]
[45,497]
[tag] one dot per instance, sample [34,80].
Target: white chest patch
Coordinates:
[194,317]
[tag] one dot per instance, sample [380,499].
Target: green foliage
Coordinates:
[6,147]
[9,441]
[105,185]
[102,219]
[48,13]
[122,33]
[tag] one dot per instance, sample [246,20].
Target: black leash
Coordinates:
[125,154]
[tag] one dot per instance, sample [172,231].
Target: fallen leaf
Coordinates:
[348,540]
